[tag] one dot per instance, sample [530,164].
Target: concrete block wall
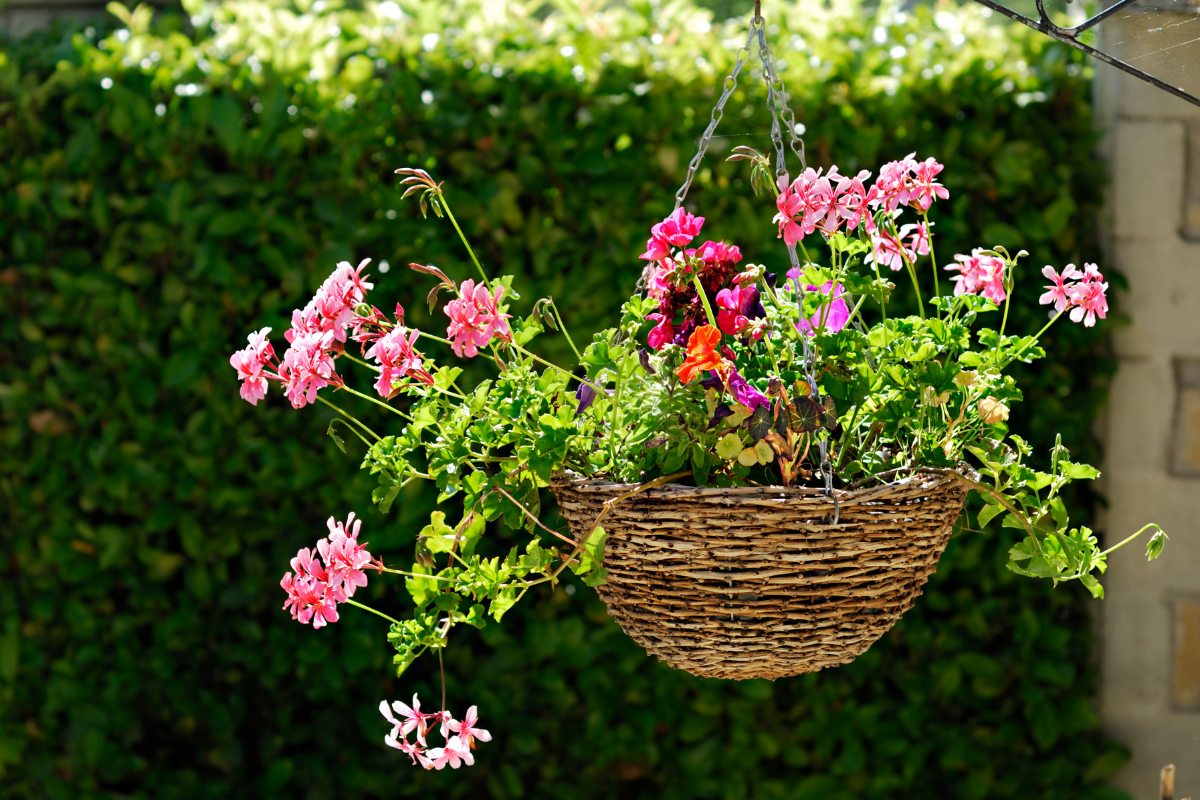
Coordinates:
[1150,620]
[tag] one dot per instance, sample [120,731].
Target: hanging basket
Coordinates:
[758,582]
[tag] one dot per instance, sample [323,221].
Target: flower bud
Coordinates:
[992,411]
[965,379]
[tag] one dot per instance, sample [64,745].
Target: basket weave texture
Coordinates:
[756,582]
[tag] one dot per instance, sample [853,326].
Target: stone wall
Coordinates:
[1150,621]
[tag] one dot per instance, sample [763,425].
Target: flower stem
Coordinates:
[541,360]
[373,611]
[377,402]
[466,244]
[1131,538]
[712,320]
[360,361]
[563,328]
[1032,341]
[937,291]
[347,416]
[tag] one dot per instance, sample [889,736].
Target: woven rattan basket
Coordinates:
[756,582]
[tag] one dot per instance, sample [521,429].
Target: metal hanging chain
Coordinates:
[717,112]
[780,112]
[778,106]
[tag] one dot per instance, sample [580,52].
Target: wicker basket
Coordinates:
[756,582]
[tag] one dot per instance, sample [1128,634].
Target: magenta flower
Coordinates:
[743,392]
[475,319]
[397,358]
[1057,292]
[831,316]
[713,253]
[677,230]
[734,306]
[661,334]
[586,395]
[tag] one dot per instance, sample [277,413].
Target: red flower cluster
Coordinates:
[669,280]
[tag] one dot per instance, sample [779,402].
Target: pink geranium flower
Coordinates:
[475,319]
[925,188]
[307,366]
[454,753]
[790,206]
[398,359]
[1057,292]
[327,575]
[250,364]
[980,274]
[344,557]
[1088,297]
[887,251]
[466,730]
[892,188]
[850,201]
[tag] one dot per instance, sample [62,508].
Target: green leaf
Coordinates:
[988,512]
[1093,586]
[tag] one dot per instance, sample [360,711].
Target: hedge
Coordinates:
[168,185]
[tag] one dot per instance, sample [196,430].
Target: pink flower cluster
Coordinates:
[397,358]
[316,589]
[981,274]
[251,364]
[475,319]
[894,251]
[1086,297]
[826,202]
[332,308]
[317,334]
[456,751]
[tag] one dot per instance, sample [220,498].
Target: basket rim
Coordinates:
[926,481]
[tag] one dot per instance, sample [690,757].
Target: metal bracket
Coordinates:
[1069,36]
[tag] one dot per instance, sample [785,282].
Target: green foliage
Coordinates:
[148,512]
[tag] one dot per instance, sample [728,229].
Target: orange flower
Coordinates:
[702,353]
